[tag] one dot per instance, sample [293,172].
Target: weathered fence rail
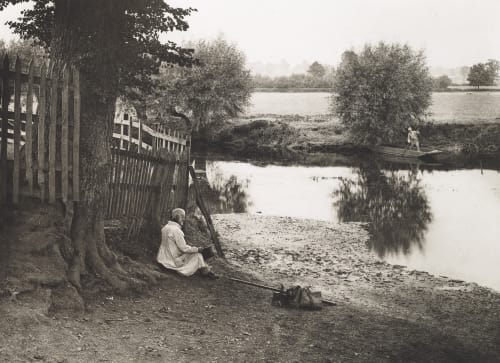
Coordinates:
[146,186]
[40,131]
[130,134]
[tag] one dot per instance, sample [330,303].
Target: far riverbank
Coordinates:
[283,136]
[450,89]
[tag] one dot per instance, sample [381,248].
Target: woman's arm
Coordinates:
[183,246]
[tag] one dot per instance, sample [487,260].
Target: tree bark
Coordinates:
[76,23]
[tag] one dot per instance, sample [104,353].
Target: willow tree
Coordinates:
[380,91]
[116,46]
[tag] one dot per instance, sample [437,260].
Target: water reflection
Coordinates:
[393,202]
[225,195]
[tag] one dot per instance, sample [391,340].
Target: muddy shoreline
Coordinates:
[384,313]
[334,259]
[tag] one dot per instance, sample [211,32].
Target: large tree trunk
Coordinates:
[76,23]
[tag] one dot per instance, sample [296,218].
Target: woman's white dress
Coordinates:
[175,254]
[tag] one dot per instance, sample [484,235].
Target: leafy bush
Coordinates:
[381,91]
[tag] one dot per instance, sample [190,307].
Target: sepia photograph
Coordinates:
[249,181]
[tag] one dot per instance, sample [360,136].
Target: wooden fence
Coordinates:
[133,135]
[146,186]
[40,128]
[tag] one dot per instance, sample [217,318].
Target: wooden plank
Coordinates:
[5,126]
[132,185]
[139,146]
[139,176]
[121,137]
[129,133]
[121,181]
[148,192]
[129,164]
[17,131]
[206,214]
[142,190]
[65,135]
[29,129]
[136,176]
[188,161]
[53,133]
[173,189]
[116,187]
[41,131]
[76,134]
[166,186]
[158,169]
[109,196]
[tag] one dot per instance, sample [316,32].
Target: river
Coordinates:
[459,107]
[444,222]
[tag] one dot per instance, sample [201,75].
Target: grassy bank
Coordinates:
[438,90]
[275,135]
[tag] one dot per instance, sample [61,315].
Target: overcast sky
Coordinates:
[452,32]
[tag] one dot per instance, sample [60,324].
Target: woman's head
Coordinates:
[179,215]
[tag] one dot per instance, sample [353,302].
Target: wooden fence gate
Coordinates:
[146,186]
[40,131]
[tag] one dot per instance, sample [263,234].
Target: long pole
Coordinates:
[201,205]
[326,302]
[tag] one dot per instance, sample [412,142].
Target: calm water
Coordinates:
[443,222]
[451,107]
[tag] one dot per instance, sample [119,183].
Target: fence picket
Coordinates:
[41,131]
[110,184]
[28,147]
[53,134]
[17,131]
[116,187]
[64,135]
[5,126]
[41,148]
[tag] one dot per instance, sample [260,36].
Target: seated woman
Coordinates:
[175,254]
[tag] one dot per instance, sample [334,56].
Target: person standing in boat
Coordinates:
[413,138]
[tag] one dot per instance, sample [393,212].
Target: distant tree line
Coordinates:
[484,74]
[317,76]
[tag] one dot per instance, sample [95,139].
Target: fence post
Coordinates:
[5,126]
[29,129]
[64,135]
[17,131]
[52,133]
[41,130]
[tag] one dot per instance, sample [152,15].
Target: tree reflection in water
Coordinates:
[225,195]
[395,205]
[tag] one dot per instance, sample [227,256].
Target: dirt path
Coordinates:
[384,313]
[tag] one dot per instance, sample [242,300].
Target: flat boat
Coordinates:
[407,153]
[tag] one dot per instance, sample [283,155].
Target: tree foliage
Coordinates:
[380,91]
[24,48]
[483,74]
[317,76]
[316,70]
[138,53]
[219,86]
[442,82]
